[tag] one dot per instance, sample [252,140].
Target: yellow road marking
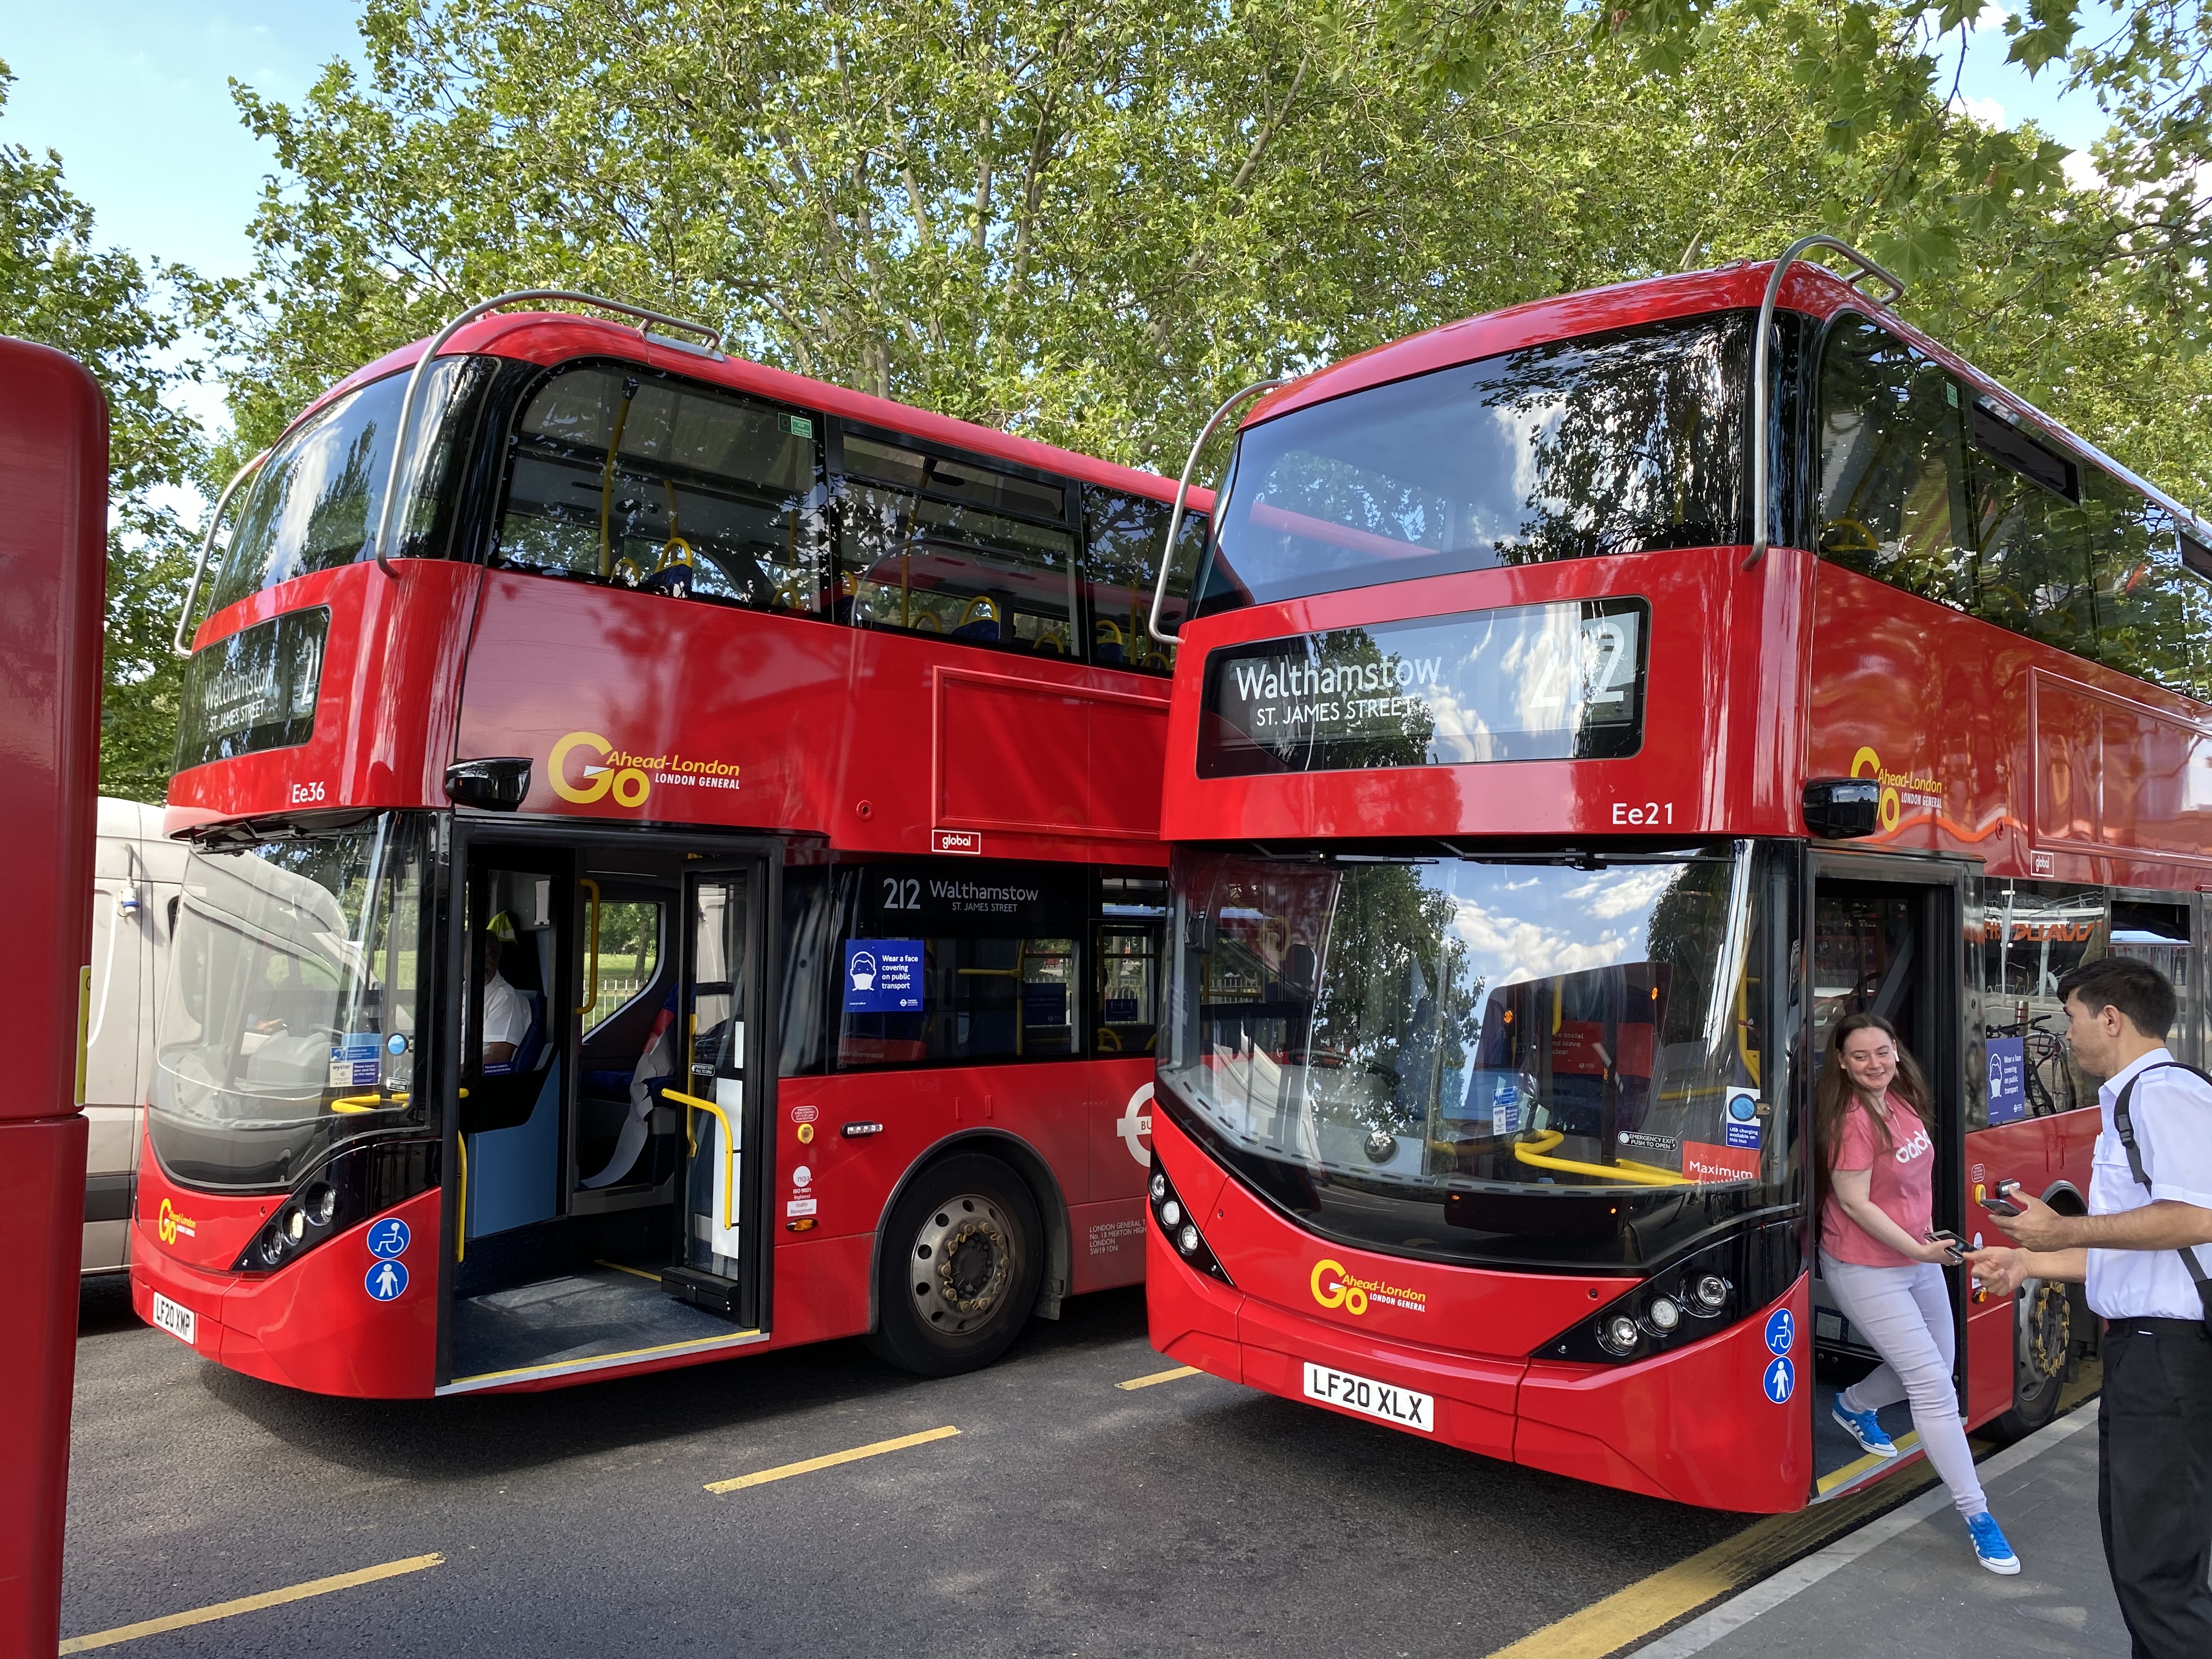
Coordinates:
[1765,1547]
[876,1448]
[108,1638]
[1159,1377]
[638,1272]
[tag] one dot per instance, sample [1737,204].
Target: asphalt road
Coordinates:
[1067,1517]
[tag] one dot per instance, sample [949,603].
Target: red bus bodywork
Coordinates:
[2045,766]
[843,744]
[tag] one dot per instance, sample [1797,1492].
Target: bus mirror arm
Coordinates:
[1183,500]
[1762,354]
[403,435]
[179,645]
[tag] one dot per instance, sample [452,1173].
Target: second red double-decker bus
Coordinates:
[674,871]
[1582,708]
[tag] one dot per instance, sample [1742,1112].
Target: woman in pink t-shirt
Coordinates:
[1871,1112]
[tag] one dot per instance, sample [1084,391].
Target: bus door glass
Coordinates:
[1892,947]
[2158,932]
[717,1004]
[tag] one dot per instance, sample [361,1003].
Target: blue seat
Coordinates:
[527,1050]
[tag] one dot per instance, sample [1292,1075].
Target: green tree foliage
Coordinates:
[1086,222]
[122,321]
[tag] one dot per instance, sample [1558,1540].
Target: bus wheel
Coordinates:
[961,1259]
[2045,1323]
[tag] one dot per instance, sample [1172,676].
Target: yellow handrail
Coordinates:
[368,1103]
[461,1202]
[1532,1150]
[729,1147]
[591,996]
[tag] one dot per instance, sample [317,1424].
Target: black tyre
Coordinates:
[2046,1318]
[964,1251]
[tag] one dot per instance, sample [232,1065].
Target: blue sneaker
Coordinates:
[1990,1547]
[1865,1427]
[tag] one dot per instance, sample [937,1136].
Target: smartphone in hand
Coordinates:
[1952,1243]
[1999,1201]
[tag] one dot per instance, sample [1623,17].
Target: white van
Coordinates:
[137,882]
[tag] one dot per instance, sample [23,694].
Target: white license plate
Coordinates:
[1384,1400]
[179,1321]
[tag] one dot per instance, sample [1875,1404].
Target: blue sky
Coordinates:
[136,96]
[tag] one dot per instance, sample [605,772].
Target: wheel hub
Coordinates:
[963,1260]
[2046,1328]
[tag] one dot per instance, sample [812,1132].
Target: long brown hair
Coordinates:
[1834,1092]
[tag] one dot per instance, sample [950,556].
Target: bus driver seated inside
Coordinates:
[506,1011]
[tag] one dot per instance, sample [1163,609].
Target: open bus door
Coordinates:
[610,994]
[721,1241]
[1886,937]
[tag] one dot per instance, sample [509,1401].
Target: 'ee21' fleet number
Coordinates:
[1661,813]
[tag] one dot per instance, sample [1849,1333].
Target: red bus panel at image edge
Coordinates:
[629,763]
[1516,1015]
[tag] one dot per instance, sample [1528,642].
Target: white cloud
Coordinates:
[2081,170]
[1986,111]
[1508,950]
[1990,18]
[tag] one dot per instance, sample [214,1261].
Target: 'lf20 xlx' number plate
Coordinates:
[1387,1401]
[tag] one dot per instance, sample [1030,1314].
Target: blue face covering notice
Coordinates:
[2008,1059]
[883,976]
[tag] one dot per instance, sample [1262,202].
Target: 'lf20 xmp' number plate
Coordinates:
[1384,1400]
[179,1321]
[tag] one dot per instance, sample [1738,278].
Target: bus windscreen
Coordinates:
[1623,442]
[1520,1062]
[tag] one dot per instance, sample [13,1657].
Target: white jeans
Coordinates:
[1906,1312]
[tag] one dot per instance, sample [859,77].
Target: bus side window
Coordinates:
[989,952]
[2154,612]
[1892,485]
[711,492]
[2033,569]
[949,548]
[1129,933]
[1123,535]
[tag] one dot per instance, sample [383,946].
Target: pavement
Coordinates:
[1906,1586]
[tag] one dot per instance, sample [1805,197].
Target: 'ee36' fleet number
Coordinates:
[306,793]
[1660,812]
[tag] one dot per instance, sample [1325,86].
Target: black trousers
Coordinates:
[2154,1482]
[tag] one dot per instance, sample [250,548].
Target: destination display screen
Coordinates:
[1563,681]
[254,690]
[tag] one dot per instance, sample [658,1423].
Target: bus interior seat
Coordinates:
[532,1049]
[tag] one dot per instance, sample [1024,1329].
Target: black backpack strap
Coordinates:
[2123,1127]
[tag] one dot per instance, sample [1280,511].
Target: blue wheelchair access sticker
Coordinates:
[1780,1381]
[385,1281]
[1781,1331]
[388,1237]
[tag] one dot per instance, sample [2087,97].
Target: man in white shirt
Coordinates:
[2155,1422]
[506,1010]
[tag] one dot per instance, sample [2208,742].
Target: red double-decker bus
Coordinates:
[1583,706]
[674,871]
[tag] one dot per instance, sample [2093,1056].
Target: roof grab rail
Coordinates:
[407,404]
[1762,464]
[178,645]
[1183,500]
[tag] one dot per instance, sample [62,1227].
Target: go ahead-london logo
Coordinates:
[587,768]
